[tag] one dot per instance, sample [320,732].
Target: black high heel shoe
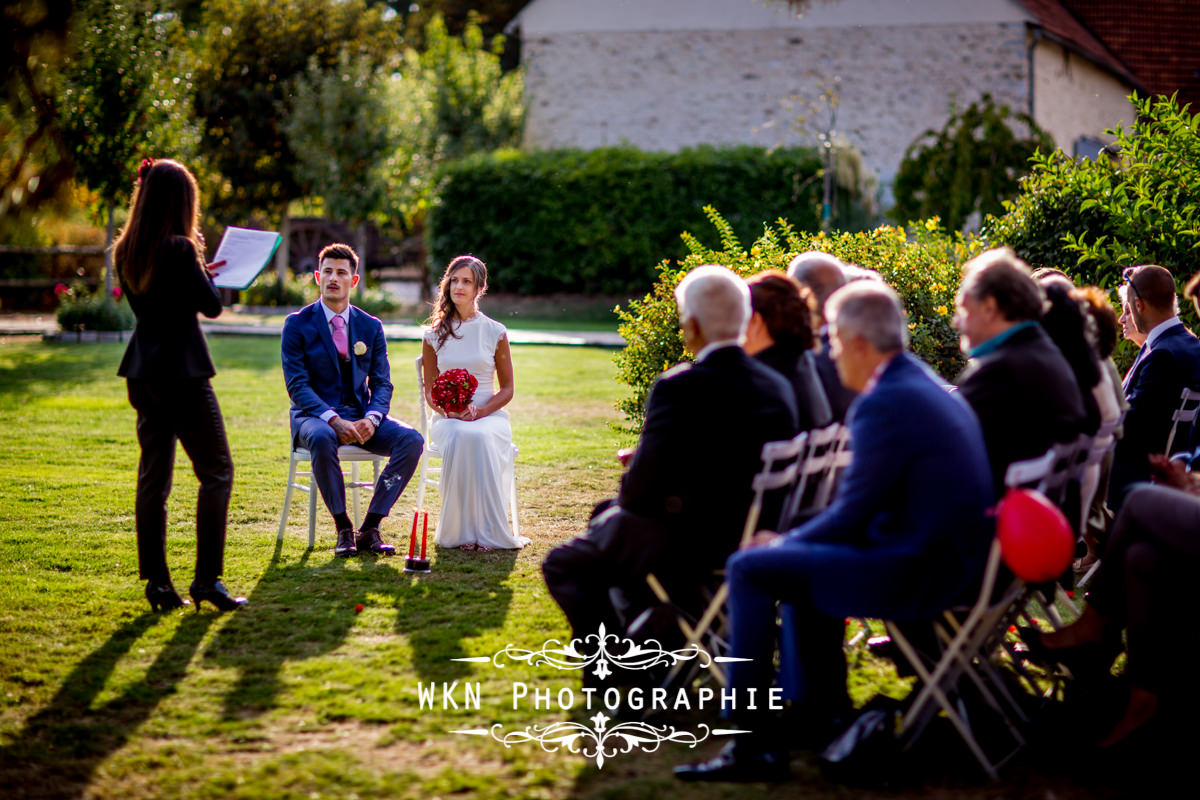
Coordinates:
[163,597]
[215,593]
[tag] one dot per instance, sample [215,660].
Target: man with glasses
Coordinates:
[1168,362]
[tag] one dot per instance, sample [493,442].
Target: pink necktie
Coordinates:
[339,337]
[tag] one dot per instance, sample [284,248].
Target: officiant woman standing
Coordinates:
[159,259]
[475,443]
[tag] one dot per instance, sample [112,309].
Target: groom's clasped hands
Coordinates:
[353,432]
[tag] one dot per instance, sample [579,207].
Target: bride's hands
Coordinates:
[471,413]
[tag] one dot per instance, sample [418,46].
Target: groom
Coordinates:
[336,368]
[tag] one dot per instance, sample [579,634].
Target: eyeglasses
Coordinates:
[1127,276]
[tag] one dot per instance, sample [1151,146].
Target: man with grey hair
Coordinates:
[684,497]
[1017,381]
[824,274]
[905,536]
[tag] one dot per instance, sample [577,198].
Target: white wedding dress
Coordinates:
[477,455]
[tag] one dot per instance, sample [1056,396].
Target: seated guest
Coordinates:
[1110,399]
[684,497]
[905,536]
[1128,329]
[1168,362]
[780,336]
[1153,553]
[1070,327]
[1018,383]
[823,274]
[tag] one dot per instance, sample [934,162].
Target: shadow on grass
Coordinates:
[299,612]
[60,747]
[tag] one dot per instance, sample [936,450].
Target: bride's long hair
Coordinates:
[445,313]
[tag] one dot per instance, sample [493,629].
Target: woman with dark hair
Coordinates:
[780,335]
[159,260]
[1072,330]
[475,443]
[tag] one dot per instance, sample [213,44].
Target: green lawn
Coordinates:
[297,696]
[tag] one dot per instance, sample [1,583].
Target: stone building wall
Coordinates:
[1074,98]
[663,90]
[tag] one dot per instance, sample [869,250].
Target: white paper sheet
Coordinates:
[247,251]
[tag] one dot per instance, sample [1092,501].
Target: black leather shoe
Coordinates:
[345,543]
[215,593]
[163,597]
[738,762]
[371,539]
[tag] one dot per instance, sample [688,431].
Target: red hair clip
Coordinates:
[147,163]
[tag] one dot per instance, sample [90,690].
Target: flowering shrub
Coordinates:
[81,310]
[923,265]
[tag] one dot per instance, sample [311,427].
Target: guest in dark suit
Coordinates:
[1018,383]
[780,335]
[159,260]
[1168,362]
[684,497]
[336,368]
[823,274]
[904,537]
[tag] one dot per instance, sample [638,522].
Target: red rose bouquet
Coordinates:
[454,389]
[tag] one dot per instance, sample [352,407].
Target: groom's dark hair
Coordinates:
[338,250]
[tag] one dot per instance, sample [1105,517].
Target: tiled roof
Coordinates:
[1153,43]
[1059,22]
[1158,40]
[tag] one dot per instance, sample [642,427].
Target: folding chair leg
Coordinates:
[421,480]
[354,492]
[312,512]
[287,496]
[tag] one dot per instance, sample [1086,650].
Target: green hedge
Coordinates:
[923,265]
[599,220]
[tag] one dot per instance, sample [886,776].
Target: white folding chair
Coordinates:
[429,475]
[1189,402]
[819,465]
[1052,474]
[346,453]
[779,470]
[967,648]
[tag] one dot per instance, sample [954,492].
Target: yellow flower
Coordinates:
[945,312]
[912,326]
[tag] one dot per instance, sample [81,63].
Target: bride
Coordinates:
[476,444]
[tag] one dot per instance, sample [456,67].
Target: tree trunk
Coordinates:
[283,254]
[108,257]
[360,245]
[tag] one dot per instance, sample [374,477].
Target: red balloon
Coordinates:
[1036,540]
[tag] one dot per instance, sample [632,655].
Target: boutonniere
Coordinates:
[360,348]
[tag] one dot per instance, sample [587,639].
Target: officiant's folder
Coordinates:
[246,252]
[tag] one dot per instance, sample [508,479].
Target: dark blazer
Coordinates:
[167,342]
[799,368]
[1153,389]
[311,367]
[1026,398]
[840,397]
[700,447]
[907,531]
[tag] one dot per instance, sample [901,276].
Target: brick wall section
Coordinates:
[663,90]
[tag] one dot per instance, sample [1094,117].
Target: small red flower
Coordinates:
[358,608]
[116,292]
[62,290]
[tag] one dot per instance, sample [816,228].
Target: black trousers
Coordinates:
[183,410]
[1144,583]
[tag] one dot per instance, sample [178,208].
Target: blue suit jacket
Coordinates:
[312,373]
[907,531]
[1153,391]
